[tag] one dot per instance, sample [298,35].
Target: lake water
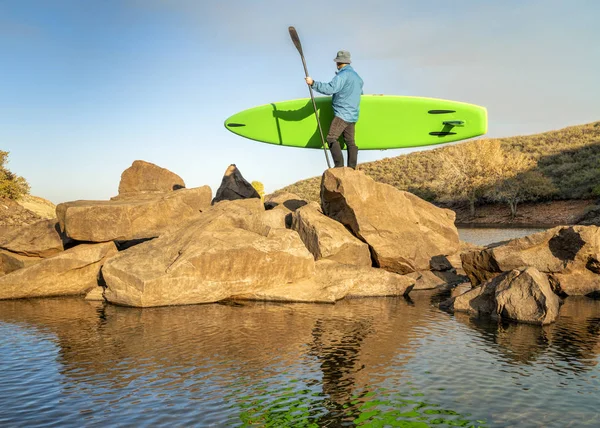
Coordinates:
[365,362]
[489,235]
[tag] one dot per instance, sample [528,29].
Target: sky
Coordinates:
[89,86]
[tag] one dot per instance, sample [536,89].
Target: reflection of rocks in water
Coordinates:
[525,342]
[118,345]
[337,345]
[576,337]
[517,343]
[574,340]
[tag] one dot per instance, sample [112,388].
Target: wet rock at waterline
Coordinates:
[334,281]
[522,295]
[199,265]
[132,218]
[403,231]
[569,255]
[72,272]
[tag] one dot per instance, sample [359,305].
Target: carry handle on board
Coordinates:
[454,123]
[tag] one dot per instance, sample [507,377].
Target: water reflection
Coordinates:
[359,361]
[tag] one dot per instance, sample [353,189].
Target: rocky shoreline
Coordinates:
[158,243]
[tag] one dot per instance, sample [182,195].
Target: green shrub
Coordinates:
[11,185]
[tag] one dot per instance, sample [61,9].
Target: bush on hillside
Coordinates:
[568,158]
[11,185]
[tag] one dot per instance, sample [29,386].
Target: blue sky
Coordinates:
[89,86]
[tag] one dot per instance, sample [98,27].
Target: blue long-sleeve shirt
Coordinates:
[346,88]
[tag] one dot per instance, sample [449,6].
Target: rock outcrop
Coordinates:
[10,262]
[403,231]
[234,186]
[326,238]
[334,281]
[40,239]
[286,201]
[569,255]
[131,218]
[146,177]
[283,203]
[200,265]
[72,272]
[522,295]
[158,243]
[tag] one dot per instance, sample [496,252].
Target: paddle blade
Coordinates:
[296,39]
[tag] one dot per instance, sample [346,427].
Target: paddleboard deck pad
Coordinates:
[386,122]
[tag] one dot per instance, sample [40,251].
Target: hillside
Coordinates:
[569,157]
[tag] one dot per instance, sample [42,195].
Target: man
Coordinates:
[346,89]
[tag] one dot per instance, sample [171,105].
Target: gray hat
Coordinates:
[343,57]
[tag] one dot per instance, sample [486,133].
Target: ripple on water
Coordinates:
[372,362]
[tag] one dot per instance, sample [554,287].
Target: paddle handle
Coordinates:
[296,41]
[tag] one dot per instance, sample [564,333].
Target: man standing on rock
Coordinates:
[346,89]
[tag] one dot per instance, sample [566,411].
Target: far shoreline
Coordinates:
[535,215]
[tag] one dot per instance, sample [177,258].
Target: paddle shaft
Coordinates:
[296,40]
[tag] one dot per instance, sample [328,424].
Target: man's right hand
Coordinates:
[309,81]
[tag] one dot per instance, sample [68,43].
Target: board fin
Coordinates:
[235,125]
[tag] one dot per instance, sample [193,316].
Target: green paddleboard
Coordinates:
[386,122]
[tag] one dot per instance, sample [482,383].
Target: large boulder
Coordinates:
[247,214]
[146,177]
[286,201]
[522,295]
[570,255]
[403,231]
[72,272]
[40,239]
[132,218]
[283,203]
[326,238]
[234,186]
[218,256]
[334,281]
[10,262]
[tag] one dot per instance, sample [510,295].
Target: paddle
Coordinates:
[296,40]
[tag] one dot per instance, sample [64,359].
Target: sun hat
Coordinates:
[343,57]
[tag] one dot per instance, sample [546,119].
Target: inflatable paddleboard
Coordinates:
[385,122]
